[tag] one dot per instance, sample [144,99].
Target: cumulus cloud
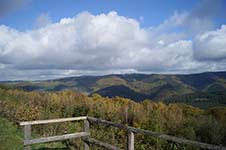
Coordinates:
[211,45]
[95,44]
[85,42]
[7,6]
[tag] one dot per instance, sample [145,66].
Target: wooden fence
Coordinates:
[85,135]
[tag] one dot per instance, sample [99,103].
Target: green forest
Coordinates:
[181,120]
[201,90]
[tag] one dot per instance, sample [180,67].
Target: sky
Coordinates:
[46,39]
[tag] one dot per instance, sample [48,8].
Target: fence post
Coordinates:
[130,140]
[27,136]
[86,129]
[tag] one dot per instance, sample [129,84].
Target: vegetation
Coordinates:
[200,99]
[174,119]
[138,87]
[10,136]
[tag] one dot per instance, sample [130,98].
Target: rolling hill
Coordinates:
[157,87]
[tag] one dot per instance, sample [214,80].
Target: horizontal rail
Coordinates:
[99,143]
[158,135]
[56,138]
[52,121]
[108,123]
[176,139]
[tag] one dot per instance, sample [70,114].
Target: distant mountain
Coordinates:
[209,87]
[122,91]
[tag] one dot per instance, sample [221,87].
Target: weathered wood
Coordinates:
[176,139]
[86,129]
[158,135]
[52,121]
[27,136]
[131,130]
[56,138]
[107,123]
[130,141]
[99,143]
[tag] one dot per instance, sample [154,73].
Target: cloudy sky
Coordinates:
[44,39]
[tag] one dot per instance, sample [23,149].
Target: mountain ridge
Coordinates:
[138,87]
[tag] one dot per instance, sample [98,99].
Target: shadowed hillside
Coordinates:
[139,86]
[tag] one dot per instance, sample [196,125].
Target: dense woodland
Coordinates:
[174,119]
[202,90]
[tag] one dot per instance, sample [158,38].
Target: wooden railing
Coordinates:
[85,135]
[28,141]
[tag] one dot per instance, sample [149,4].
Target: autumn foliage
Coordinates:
[173,119]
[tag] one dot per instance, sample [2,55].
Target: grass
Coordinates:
[11,137]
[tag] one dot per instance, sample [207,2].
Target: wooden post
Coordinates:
[130,141]
[86,129]
[27,136]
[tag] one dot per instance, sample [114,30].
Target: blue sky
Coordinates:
[45,39]
[152,11]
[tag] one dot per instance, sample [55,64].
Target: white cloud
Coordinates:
[211,45]
[83,42]
[94,44]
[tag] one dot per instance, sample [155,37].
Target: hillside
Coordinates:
[158,87]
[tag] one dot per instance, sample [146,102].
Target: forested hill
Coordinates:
[207,87]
